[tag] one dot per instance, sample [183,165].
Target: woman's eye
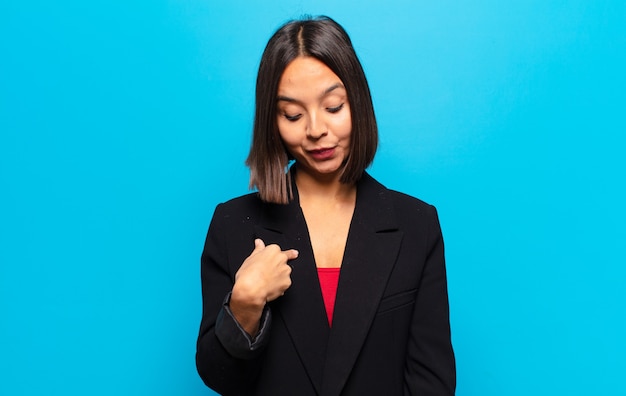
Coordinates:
[292,118]
[334,109]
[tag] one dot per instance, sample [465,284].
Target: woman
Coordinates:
[324,282]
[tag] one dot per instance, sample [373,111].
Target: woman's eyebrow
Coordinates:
[332,88]
[326,92]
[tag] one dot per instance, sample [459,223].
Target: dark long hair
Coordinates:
[323,39]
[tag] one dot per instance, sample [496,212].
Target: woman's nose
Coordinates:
[317,127]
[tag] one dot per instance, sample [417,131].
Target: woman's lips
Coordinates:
[322,154]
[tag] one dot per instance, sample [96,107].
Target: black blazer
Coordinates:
[390,333]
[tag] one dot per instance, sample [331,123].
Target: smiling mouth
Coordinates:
[323,153]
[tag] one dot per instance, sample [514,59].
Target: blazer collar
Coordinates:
[371,250]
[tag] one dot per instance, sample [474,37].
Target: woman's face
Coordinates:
[314,118]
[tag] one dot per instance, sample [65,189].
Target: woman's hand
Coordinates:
[264,276]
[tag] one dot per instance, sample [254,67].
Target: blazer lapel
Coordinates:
[371,251]
[301,308]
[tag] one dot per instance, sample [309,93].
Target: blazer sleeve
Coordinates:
[430,364]
[227,358]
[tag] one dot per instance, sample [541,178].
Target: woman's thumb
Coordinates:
[258,244]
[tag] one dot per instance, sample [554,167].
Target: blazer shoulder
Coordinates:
[249,209]
[409,200]
[400,200]
[413,211]
[390,209]
[239,210]
[242,204]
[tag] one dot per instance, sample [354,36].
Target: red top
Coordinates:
[329,279]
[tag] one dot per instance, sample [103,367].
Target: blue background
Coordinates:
[123,124]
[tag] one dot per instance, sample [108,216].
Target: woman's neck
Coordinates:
[329,189]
